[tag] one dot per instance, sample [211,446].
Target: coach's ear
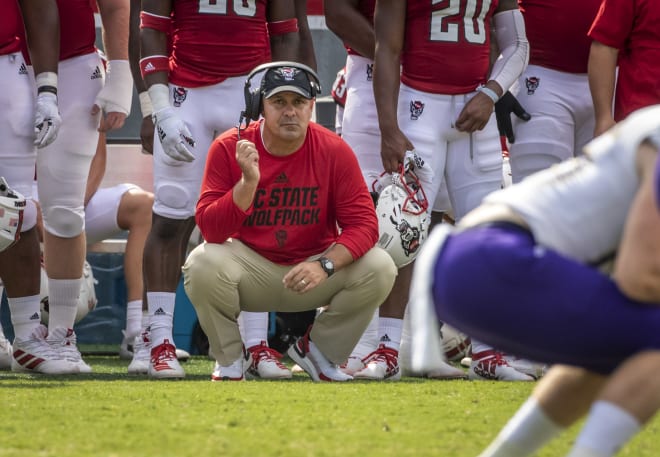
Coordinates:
[506,105]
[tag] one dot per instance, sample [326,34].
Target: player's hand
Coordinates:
[114,99]
[506,105]
[475,114]
[47,119]
[247,157]
[393,147]
[174,135]
[147,135]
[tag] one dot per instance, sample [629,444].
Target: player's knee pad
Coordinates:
[174,200]
[469,197]
[526,159]
[29,215]
[63,221]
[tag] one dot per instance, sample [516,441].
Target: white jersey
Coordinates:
[579,207]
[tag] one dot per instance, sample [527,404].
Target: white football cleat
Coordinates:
[63,342]
[35,355]
[141,353]
[163,363]
[352,365]
[492,366]
[381,365]
[235,371]
[534,369]
[266,363]
[312,360]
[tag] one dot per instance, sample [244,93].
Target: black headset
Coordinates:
[254,97]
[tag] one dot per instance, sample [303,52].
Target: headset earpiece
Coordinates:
[253,97]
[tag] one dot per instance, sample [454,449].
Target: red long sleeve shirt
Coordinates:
[302,200]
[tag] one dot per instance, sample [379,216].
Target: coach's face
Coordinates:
[286,117]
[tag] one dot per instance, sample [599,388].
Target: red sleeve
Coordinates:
[217,216]
[613,23]
[356,215]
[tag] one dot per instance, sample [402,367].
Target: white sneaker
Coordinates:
[63,341]
[310,359]
[141,353]
[492,366]
[266,363]
[163,363]
[127,347]
[381,365]
[235,371]
[534,369]
[5,353]
[352,365]
[35,355]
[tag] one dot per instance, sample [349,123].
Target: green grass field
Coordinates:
[109,413]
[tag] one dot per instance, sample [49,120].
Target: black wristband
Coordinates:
[51,89]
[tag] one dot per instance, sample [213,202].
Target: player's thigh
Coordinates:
[101,212]
[63,166]
[474,168]
[360,111]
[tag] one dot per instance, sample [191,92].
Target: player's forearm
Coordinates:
[389,26]
[115,18]
[285,47]
[602,77]
[134,45]
[42,26]
[346,21]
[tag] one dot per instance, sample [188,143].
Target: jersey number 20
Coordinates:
[240,7]
[447,22]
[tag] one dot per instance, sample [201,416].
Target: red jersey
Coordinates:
[77,30]
[632,26]
[315,7]
[300,202]
[367,8]
[567,50]
[442,55]
[11,27]
[212,41]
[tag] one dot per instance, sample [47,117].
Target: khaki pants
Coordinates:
[222,280]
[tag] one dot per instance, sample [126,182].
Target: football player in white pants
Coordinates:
[27,124]
[91,99]
[470,161]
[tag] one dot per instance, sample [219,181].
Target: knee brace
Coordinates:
[173,200]
[63,221]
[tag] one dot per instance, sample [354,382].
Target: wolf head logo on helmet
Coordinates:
[403,219]
[86,302]
[12,205]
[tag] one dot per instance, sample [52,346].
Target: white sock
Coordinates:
[607,428]
[389,332]
[528,430]
[369,339]
[25,315]
[133,318]
[63,295]
[161,316]
[253,328]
